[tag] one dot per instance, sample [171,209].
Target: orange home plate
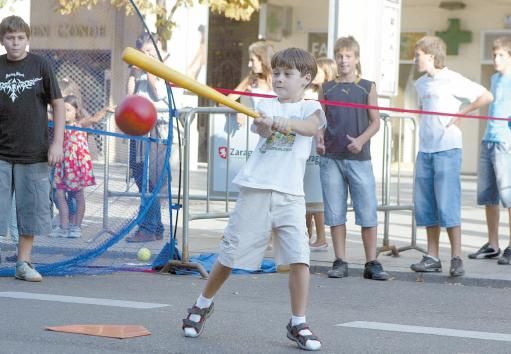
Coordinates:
[111,331]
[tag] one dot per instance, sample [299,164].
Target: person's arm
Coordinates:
[130,87]
[242,86]
[263,125]
[357,143]
[154,84]
[89,121]
[56,150]
[483,100]
[307,127]
[320,140]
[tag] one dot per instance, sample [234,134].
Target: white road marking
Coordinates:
[81,300]
[437,331]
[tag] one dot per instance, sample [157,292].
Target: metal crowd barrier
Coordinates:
[387,206]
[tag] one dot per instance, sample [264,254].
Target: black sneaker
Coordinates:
[486,251]
[427,264]
[506,256]
[374,270]
[456,267]
[339,269]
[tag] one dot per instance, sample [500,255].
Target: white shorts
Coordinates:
[256,214]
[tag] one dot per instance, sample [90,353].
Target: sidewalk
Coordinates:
[205,236]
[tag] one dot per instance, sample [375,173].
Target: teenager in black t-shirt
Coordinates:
[27,86]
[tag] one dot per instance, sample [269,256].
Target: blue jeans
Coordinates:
[437,194]
[339,175]
[494,178]
[152,221]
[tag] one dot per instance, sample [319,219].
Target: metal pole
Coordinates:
[106,177]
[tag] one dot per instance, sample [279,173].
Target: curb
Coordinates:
[431,278]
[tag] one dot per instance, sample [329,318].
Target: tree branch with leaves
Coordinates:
[239,10]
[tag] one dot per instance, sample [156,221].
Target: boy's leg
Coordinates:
[373,268]
[433,235]
[319,222]
[338,233]
[297,329]
[25,248]
[456,269]
[243,245]
[219,274]
[369,240]
[488,195]
[335,196]
[299,276]
[308,222]
[492,222]
[32,188]
[455,239]
[426,211]
[193,324]
[447,167]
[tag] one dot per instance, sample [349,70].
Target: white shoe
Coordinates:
[59,232]
[74,231]
[26,271]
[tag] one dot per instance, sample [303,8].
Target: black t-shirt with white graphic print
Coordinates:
[27,87]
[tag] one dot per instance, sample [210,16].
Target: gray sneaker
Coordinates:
[506,256]
[339,269]
[427,264]
[26,271]
[456,267]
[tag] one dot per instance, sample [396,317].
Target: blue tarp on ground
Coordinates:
[208,259]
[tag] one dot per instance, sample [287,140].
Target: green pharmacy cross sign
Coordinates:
[454,36]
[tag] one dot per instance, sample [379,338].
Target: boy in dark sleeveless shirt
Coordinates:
[346,159]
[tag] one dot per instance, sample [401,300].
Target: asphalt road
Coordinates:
[251,314]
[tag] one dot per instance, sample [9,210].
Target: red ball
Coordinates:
[135,115]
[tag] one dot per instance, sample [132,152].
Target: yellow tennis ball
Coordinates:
[143,254]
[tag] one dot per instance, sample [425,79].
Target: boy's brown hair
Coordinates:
[434,46]
[503,43]
[12,24]
[349,43]
[295,58]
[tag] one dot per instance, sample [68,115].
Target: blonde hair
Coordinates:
[434,46]
[349,43]
[12,24]
[503,43]
[329,67]
[263,50]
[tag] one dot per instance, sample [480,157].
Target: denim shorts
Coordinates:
[32,185]
[494,177]
[437,193]
[339,175]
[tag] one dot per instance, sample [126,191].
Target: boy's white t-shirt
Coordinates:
[444,92]
[278,162]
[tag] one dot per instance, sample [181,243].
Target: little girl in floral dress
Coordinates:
[74,173]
